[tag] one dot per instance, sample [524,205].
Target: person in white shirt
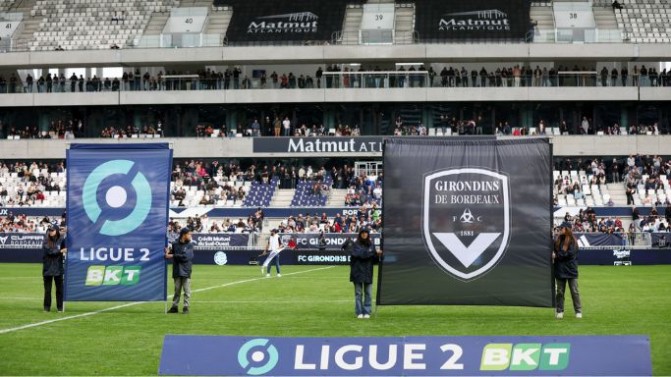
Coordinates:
[274,247]
[286,126]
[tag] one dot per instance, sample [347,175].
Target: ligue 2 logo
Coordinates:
[267,354]
[116,197]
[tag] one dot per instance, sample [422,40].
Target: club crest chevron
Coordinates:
[466,220]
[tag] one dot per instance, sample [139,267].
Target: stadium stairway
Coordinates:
[336,198]
[156,23]
[617,193]
[218,21]
[404,23]
[282,198]
[31,23]
[604,17]
[544,17]
[352,24]
[411,115]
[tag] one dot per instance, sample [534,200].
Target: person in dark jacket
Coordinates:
[181,253]
[53,250]
[362,256]
[566,269]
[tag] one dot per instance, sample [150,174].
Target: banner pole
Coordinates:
[553,288]
[381,257]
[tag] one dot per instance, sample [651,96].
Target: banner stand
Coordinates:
[117,215]
[467,214]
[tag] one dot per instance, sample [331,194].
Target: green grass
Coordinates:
[304,302]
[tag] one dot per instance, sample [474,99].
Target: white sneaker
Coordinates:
[267,275]
[559,315]
[578,315]
[360,316]
[366,316]
[279,275]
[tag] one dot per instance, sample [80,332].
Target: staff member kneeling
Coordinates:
[181,253]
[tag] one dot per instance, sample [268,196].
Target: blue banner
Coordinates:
[406,356]
[117,213]
[219,241]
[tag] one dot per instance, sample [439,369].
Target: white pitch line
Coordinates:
[275,302]
[87,314]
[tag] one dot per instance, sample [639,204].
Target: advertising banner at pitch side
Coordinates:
[407,356]
[117,213]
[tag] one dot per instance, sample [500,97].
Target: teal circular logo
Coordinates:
[116,197]
[258,357]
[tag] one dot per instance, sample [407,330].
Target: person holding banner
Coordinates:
[275,246]
[52,266]
[181,253]
[362,254]
[566,269]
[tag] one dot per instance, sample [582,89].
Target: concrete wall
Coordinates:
[242,147]
[340,54]
[390,95]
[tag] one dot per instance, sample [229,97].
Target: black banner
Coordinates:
[298,145]
[282,20]
[472,20]
[467,221]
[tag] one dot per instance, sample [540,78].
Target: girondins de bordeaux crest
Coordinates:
[466,220]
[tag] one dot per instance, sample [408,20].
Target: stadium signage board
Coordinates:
[117,214]
[332,241]
[301,145]
[406,356]
[297,22]
[284,20]
[209,241]
[472,20]
[21,240]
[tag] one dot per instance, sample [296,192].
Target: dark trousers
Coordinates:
[59,292]
[575,295]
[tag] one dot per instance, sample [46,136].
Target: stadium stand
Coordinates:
[6,5]
[261,193]
[87,24]
[32,185]
[645,21]
[312,193]
[639,103]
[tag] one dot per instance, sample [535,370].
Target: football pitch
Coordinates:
[115,338]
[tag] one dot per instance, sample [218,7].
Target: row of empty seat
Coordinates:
[92,24]
[260,194]
[305,195]
[645,21]
[5,5]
